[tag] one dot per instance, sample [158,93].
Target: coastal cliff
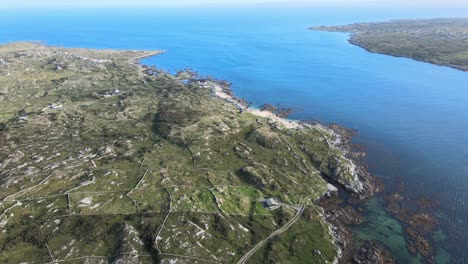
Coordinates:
[108,160]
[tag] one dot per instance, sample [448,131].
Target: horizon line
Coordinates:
[243,5]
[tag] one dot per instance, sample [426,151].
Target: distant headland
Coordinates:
[442,41]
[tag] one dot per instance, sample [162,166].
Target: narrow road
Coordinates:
[246,256]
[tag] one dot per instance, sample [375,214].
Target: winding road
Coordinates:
[246,256]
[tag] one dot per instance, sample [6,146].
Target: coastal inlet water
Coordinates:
[411,116]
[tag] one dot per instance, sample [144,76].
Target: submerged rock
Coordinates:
[373,252]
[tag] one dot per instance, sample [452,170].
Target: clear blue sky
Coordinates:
[192,3]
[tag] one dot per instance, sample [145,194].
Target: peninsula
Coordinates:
[438,41]
[105,160]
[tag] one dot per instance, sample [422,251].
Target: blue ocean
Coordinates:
[412,117]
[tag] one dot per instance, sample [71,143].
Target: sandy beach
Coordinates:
[289,124]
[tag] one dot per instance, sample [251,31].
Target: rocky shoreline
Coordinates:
[419,222]
[416,217]
[343,209]
[341,219]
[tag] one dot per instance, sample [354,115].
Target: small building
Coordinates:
[271,203]
[55,106]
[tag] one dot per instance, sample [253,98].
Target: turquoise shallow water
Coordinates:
[383,227]
[412,116]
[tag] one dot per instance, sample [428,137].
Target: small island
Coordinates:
[439,41]
[105,160]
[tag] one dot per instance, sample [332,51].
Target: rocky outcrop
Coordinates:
[277,110]
[373,252]
[340,219]
[130,246]
[347,169]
